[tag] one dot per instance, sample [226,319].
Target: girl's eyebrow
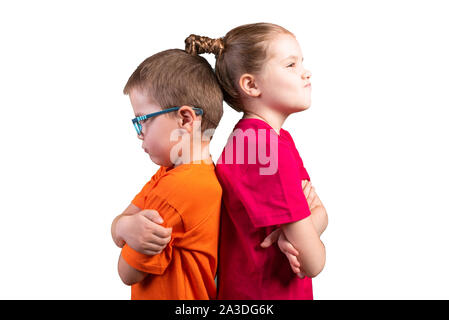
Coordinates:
[293,57]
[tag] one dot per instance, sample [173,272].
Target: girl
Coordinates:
[259,67]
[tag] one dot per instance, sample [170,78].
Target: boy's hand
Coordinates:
[142,232]
[286,248]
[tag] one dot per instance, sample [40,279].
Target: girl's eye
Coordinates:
[291,65]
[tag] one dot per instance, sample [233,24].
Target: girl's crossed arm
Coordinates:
[319,220]
[304,238]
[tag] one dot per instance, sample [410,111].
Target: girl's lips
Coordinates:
[308,85]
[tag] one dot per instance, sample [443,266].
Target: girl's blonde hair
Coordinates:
[242,50]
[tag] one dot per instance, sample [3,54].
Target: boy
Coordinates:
[174,94]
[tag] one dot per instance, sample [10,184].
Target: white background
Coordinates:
[374,140]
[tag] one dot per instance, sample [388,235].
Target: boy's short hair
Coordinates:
[173,78]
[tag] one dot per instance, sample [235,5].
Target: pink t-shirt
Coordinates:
[260,173]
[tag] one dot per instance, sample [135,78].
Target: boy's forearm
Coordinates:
[128,274]
[319,219]
[117,239]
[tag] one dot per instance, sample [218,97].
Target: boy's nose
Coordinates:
[139,136]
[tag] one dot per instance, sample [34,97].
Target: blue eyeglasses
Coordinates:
[138,126]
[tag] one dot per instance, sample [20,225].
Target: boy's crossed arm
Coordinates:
[140,230]
[128,274]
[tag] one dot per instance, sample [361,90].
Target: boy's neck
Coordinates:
[197,153]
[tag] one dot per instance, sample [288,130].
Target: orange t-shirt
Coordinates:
[188,198]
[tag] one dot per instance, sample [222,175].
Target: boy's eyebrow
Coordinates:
[139,114]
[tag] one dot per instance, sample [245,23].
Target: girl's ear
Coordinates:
[248,85]
[186,118]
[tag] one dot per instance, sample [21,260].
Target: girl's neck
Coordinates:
[274,119]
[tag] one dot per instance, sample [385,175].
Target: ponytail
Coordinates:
[196,45]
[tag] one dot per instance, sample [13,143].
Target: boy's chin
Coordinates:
[155,160]
[160,162]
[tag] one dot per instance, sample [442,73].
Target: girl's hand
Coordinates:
[291,253]
[311,196]
[142,232]
[278,236]
[286,248]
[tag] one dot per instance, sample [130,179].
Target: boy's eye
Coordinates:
[291,65]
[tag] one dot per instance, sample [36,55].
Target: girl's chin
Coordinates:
[299,108]
[304,106]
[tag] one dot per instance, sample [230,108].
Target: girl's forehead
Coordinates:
[284,46]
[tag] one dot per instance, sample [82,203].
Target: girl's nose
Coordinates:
[140,136]
[306,75]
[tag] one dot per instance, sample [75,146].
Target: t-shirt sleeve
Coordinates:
[158,263]
[140,198]
[277,198]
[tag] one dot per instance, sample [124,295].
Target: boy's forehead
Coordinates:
[142,103]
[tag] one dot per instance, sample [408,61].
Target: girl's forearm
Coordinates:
[319,219]
[304,238]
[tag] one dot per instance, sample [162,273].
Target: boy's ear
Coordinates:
[248,85]
[186,117]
